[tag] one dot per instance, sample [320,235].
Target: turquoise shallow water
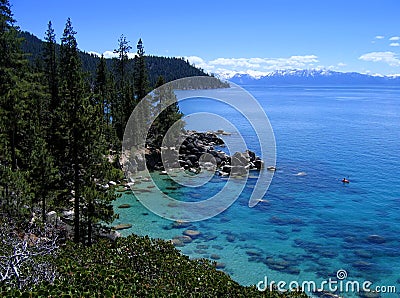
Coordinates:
[309,225]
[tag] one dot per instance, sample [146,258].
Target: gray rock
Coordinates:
[52,217]
[376,239]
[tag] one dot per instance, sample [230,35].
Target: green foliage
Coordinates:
[141,82]
[122,103]
[170,68]
[139,267]
[51,66]
[15,119]
[165,105]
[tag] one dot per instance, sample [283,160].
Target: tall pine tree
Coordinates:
[141,83]
[14,127]
[85,166]
[141,80]
[51,67]
[71,112]
[123,103]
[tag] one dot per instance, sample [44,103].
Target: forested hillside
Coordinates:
[170,68]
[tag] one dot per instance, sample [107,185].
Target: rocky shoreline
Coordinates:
[197,153]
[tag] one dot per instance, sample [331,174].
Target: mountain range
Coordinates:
[173,68]
[315,77]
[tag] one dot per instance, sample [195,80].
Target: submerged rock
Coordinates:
[200,251]
[215,257]
[177,242]
[253,253]
[377,239]
[325,294]
[230,238]
[363,254]
[209,237]
[362,265]
[192,233]
[202,246]
[122,227]
[180,224]
[370,294]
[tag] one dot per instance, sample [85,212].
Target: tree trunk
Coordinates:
[76,184]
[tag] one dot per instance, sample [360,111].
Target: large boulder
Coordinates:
[239,159]
[258,163]
[239,170]
[192,158]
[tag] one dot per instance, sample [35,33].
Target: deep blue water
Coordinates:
[311,224]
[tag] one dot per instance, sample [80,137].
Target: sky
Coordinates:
[225,37]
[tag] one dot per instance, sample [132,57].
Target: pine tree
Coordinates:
[141,81]
[14,107]
[85,165]
[121,65]
[123,103]
[141,84]
[71,112]
[11,64]
[51,68]
[165,105]
[44,176]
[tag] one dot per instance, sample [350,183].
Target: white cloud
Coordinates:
[266,63]
[395,44]
[341,64]
[379,37]
[256,66]
[94,53]
[236,62]
[195,60]
[394,38]
[386,57]
[111,54]
[199,62]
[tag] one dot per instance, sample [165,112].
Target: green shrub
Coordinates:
[137,267]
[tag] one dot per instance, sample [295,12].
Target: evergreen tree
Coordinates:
[123,104]
[121,65]
[85,165]
[71,113]
[101,91]
[11,67]
[141,80]
[44,176]
[165,105]
[141,85]
[14,129]
[51,69]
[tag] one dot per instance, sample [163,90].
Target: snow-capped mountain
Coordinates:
[314,76]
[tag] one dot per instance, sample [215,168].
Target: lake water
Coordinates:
[310,224]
